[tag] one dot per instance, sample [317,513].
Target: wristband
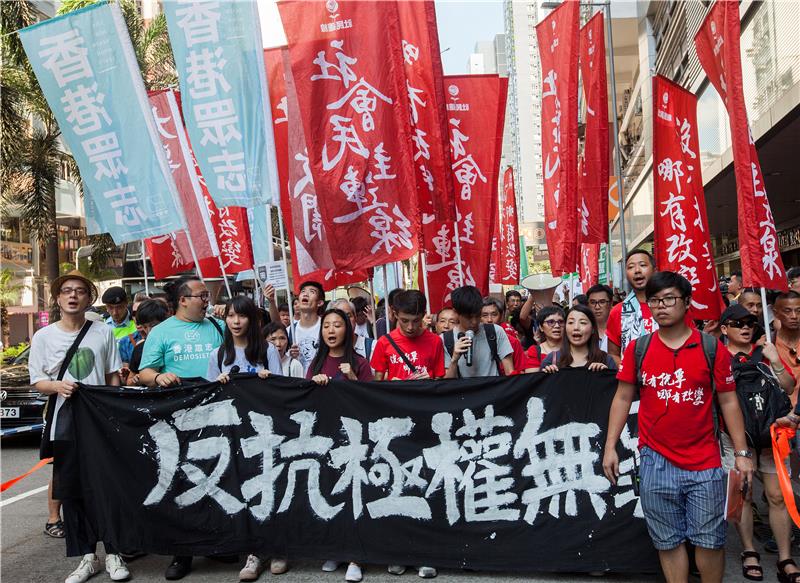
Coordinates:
[781,371]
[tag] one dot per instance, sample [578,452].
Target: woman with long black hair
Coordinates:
[580,344]
[243,344]
[336,358]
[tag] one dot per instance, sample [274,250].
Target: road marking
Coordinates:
[23,495]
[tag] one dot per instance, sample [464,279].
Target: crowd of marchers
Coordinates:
[707,390]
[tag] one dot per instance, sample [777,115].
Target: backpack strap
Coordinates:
[491,338]
[449,342]
[639,350]
[402,354]
[368,342]
[710,344]
[217,326]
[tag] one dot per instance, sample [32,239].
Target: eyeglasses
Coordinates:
[554,323]
[202,296]
[68,291]
[667,302]
[741,324]
[598,302]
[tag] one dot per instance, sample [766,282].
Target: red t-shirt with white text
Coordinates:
[675,415]
[426,353]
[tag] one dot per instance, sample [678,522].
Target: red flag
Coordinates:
[681,238]
[169,254]
[347,64]
[717,44]
[311,256]
[558,52]
[593,180]
[476,110]
[233,235]
[426,97]
[589,266]
[273,60]
[508,249]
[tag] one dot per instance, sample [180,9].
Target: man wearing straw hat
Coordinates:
[70,351]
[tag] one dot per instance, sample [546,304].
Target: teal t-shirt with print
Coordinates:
[181,348]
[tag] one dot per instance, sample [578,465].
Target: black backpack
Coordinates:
[760,397]
[491,337]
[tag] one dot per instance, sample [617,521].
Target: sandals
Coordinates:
[55,529]
[785,577]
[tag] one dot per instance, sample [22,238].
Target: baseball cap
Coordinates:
[735,312]
[114,296]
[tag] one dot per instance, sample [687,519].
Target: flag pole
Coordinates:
[284,242]
[372,306]
[225,277]
[144,269]
[194,256]
[618,157]
[424,269]
[764,311]
[458,256]
[386,297]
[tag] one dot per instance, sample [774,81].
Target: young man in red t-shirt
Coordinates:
[682,483]
[422,348]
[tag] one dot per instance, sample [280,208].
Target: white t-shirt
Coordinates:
[240,360]
[604,343]
[291,367]
[362,329]
[307,339]
[96,357]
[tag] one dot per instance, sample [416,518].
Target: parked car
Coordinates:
[20,403]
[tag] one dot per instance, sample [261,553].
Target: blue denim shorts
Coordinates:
[682,505]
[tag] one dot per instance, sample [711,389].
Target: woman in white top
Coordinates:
[243,345]
[278,337]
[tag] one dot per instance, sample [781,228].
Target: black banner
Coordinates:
[498,474]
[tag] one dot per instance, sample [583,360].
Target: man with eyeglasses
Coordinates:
[600,297]
[94,360]
[682,484]
[787,338]
[178,348]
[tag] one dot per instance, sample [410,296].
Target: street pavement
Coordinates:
[29,556]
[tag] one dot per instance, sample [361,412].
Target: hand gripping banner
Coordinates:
[501,474]
[86,67]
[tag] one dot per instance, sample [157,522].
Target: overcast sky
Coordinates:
[462,23]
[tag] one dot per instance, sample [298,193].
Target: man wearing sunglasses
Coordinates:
[738,325]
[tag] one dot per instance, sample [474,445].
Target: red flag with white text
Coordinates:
[347,64]
[589,266]
[593,180]
[558,39]
[273,61]
[681,237]
[311,257]
[426,97]
[476,114]
[508,239]
[233,236]
[717,44]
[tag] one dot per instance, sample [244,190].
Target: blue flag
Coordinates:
[87,69]
[260,234]
[220,60]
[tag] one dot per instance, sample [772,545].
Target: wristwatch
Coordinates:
[743,453]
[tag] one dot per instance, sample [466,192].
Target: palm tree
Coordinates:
[31,153]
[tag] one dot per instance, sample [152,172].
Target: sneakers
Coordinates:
[116,568]
[88,567]
[427,572]
[252,569]
[396,569]
[178,569]
[278,566]
[353,573]
[330,566]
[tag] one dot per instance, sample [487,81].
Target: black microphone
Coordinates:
[234,369]
[468,355]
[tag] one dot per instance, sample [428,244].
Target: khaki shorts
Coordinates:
[763,462]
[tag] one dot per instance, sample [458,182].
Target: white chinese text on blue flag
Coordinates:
[87,69]
[220,60]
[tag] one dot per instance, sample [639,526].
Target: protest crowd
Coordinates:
[370,157]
